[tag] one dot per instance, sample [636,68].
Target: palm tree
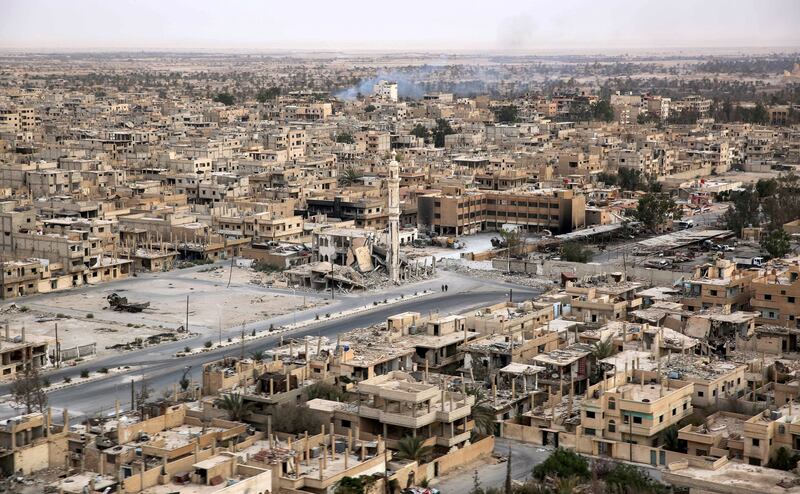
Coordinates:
[567,485]
[482,414]
[349,176]
[603,349]
[258,355]
[413,448]
[670,440]
[600,350]
[235,405]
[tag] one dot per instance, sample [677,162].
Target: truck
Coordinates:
[749,262]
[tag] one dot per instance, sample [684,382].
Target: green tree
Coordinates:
[575,252]
[369,108]
[607,178]
[628,479]
[566,485]
[349,485]
[420,131]
[413,448]
[630,179]
[28,390]
[224,98]
[783,460]
[325,391]
[235,404]
[784,205]
[744,211]
[350,176]
[441,130]
[670,440]
[777,243]
[346,138]
[655,209]
[266,94]
[258,356]
[766,187]
[562,463]
[602,110]
[603,349]
[483,414]
[294,419]
[507,114]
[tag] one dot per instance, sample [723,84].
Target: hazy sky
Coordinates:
[470,25]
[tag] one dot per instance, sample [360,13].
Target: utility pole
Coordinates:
[242,341]
[58,349]
[230,275]
[187,314]
[133,395]
[332,280]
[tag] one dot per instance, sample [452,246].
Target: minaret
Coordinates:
[393,253]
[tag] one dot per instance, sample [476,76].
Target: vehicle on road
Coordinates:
[756,262]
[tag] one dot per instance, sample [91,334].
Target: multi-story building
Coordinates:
[719,285]
[365,212]
[455,211]
[292,140]
[626,408]
[385,90]
[627,107]
[776,297]
[395,406]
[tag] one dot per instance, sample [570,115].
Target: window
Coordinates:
[660,419]
[700,394]
[589,415]
[612,426]
[674,411]
[756,442]
[589,432]
[767,296]
[790,300]
[685,405]
[612,404]
[637,420]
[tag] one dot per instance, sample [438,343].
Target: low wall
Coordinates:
[465,455]
[587,445]
[553,269]
[444,464]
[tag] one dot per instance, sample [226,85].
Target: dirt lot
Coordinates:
[84,316]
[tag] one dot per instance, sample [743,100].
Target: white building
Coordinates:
[385,90]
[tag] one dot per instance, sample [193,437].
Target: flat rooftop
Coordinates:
[736,477]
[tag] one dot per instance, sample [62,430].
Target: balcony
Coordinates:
[459,411]
[449,442]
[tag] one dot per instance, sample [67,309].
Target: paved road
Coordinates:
[523,458]
[162,370]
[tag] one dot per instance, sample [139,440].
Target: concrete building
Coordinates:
[776,297]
